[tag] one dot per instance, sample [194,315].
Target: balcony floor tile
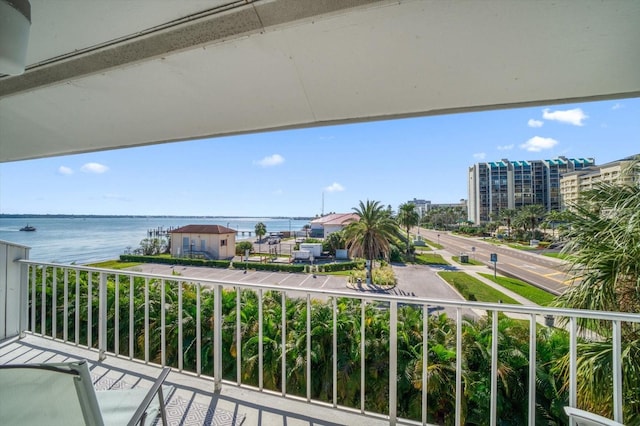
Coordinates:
[193,402]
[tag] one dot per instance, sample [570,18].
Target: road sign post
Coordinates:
[494,259]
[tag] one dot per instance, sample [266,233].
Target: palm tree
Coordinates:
[507,215]
[370,237]
[335,240]
[261,230]
[408,217]
[604,244]
[533,213]
[604,248]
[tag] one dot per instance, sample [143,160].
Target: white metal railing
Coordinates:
[43,277]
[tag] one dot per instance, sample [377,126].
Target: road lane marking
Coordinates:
[537,273]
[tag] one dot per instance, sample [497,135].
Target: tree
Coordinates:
[408,217]
[603,248]
[335,241]
[507,215]
[261,231]
[370,237]
[533,213]
[153,246]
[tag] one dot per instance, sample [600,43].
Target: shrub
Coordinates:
[242,246]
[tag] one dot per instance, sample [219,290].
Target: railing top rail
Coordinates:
[9,243]
[377,297]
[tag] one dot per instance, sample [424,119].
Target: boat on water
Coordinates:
[28,228]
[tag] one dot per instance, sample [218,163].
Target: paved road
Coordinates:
[545,272]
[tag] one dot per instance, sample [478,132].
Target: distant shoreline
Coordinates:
[133,216]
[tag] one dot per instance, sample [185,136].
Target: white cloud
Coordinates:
[334,187]
[505,147]
[271,160]
[479,155]
[617,106]
[535,123]
[64,170]
[94,168]
[537,144]
[571,116]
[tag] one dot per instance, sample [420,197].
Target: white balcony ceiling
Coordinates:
[104,74]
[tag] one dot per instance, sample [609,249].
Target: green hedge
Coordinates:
[274,267]
[345,266]
[175,261]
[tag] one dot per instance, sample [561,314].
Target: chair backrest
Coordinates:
[585,418]
[48,394]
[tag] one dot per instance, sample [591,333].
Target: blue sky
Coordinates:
[286,173]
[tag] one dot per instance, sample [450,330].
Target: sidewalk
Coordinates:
[475,270]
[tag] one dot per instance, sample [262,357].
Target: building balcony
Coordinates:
[274,355]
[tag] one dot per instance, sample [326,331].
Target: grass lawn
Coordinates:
[432,244]
[114,264]
[470,262]
[522,247]
[430,259]
[533,293]
[558,255]
[473,289]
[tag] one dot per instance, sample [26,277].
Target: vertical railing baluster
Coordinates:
[102,316]
[146,319]
[65,308]
[89,309]
[34,285]
[363,304]
[238,336]
[116,316]
[283,337]
[43,302]
[54,302]
[76,325]
[24,300]
[532,369]
[131,316]
[425,360]
[308,347]
[217,339]
[260,340]
[616,353]
[198,332]
[393,363]
[334,353]
[573,362]
[180,335]
[458,415]
[494,369]
[163,319]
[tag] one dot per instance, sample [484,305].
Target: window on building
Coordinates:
[223,242]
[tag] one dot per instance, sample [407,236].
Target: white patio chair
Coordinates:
[585,418]
[63,394]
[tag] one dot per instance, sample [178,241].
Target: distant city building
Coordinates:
[573,183]
[500,185]
[424,206]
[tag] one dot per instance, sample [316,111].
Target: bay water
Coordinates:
[86,239]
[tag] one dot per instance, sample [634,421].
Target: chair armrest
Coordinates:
[156,388]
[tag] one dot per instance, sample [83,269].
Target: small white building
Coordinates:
[213,242]
[323,226]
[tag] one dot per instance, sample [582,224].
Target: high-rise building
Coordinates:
[573,183]
[500,185]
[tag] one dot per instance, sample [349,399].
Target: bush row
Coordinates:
[175,261]
[330,267]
